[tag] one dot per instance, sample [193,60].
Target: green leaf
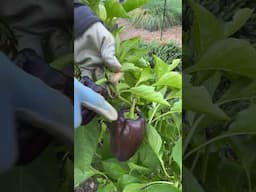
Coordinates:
[145,75]
[190,184]
[239,90]
[80,176]
[177,153]
[126,180]
[115,9]
[149,93]
[114,168]
[239,19]
[133,4]
[146,151]
[160,188]
[174,64]
[102,12]
[177,106]
[198,99]
[171,79]
[106,188]
[212,82]
[86,140]
[245,121]
[160,67]
[139,168]
[41,175]
[206,29]
[133,187]
[230,55]
[154,139]
[62,62]
[130,67]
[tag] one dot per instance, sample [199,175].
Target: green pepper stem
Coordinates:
[132,109]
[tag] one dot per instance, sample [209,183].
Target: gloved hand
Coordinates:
[94,50]
[91,100]
[26,97]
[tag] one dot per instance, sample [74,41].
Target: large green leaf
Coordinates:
[114,169]
[86,140]
[133,187]
[230,55]
[160,188]
[198,99]
[190,184]
[154,139]
[149,93]
[115,9]
[171,79]
[41,175]
[240,90]
[245,121]
[106,188]
[239,19]
[177,153]
[174,64]
[160,67]
[145,75]
[206,29]
[126,180]
[133,4]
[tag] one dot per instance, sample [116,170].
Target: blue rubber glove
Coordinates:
[91,100]
[28,98]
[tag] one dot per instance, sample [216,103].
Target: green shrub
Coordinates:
[167,52]
[150,17]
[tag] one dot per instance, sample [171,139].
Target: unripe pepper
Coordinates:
[126,135]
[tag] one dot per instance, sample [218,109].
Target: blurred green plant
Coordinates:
[167,52]
[219,103]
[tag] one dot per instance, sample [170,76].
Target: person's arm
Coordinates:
[94,45]
[28,98]
[94,49]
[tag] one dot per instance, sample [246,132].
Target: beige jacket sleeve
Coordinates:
[94,50]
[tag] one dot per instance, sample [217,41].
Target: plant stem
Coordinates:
[162,27]
[191,133]
[215,139]
[164,114]
[157,182]
[132,109]
[124,100]
[153,113]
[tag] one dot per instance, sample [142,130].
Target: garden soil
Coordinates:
[170,34]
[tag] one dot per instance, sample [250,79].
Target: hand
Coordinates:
[28,98]
[88,98]
[94,50]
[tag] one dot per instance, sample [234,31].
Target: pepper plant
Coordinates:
[149,104]
[219,103]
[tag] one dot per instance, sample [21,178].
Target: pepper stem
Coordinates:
[132,109]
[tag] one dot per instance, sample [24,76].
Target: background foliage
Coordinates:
[150,16]
[218,100]
[167,52]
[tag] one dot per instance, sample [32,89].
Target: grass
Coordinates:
[150,17]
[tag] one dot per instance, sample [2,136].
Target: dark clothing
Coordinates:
[83,18]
